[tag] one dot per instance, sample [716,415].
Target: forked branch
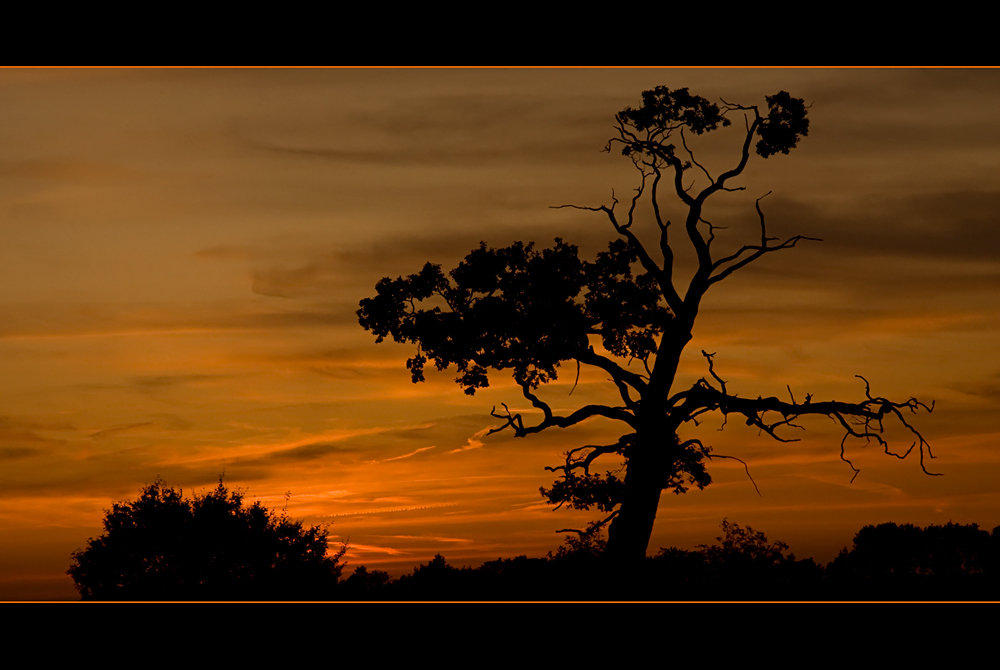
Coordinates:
[574,461]
[663,279]
[863,420]
[747,254]
[515,422]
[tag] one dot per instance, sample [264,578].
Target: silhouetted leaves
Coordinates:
[584,492]
[744,545]
[212,547]
[517,309]
[687,467]
[662,112]
[627,308]
[645,130]
[784,124]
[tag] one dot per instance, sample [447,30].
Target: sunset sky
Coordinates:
[184,252]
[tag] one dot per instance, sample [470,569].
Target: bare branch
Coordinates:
[847,460]
[573,463]
[708,452]
[638,194]
[745,467]
[868,416]
[618,374]
[592,528]
[515,421]
[711,231]
[666,281]
[656,205]
[764,239]
[755,251]
[691,154]
[711,369]
[744,157]
[577,378]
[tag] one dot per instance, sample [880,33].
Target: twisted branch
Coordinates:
[515,421]
[867,416]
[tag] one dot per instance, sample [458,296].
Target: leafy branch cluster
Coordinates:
[519,309]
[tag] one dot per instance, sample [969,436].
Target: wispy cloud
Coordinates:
[123,428]
[392,510]
[474,442]
[397,458]
[354,549]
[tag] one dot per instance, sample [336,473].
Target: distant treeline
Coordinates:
[217,546]
[886,562]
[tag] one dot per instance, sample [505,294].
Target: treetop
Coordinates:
[644,130]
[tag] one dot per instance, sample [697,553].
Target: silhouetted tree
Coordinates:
[526,311]
[212,547]
[365,584]
[581,547]
[743,545]
[742,564]
[437,581]
[906,561]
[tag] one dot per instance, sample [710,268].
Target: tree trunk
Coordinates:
[628,535]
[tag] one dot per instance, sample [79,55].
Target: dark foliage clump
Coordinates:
[888,562]
[906,562]
[744,565]
[163,546]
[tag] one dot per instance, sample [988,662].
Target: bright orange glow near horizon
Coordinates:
[185,250]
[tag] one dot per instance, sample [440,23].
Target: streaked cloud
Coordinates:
[409,455]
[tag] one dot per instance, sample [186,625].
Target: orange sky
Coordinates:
[184,252]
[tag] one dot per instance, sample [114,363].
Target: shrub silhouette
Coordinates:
[212,547]
[743,549]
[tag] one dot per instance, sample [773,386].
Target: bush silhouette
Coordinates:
[212,547]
